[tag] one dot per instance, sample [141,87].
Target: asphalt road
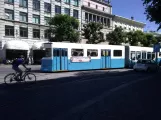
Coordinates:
[96,96]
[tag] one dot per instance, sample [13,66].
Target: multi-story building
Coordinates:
[101,11]
[25,22]
[127,24]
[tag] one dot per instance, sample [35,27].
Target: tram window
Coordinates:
[92,52]
[48,52]
[138,55]
[106,53]
[133,55]
[153,55]
[143,55]
[159,54]
[149,55]
[56,52]
[60,52]
[117,53]
[64,52]
[77,52]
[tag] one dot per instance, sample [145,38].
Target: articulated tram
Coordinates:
[73,56]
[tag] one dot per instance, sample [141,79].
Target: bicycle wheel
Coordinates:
[9,78]
[30,77]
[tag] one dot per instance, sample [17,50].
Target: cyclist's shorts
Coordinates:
[17,69]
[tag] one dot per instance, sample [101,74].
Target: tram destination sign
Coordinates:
[80,59]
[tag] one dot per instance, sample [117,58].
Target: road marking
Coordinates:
[81,107]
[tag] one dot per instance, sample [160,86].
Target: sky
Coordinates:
[135,8]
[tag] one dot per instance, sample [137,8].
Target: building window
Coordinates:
[105,21]
[9,30]
[23,32]
[90,17]
[58,0]
[77,52]
[92,52]
[86,16]
[9,14]
[9,1]
[47,34]
[23,17]
[98,18]
[75,13]
[36,19]
[117,53]
[67,11]
[36,33]
[67,1]
[94,18]
[103,9]
[57,9]
[47,7]
[89,4]
[46,20]
[108,22]
[76,3]
[36,5]
[23,3]
[96,6]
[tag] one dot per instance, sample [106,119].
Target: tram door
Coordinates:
[144,55]
[60,59]
[105,58]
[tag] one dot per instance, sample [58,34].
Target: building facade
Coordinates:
[26,21]
[101,11]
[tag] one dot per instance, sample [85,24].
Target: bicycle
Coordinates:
[12,77]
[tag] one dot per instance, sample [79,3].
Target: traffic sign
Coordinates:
[156,48]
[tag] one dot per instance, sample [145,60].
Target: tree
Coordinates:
[150,40]
[158,38]
[135,37]
[63,27]
[153,10]
[116,37]
[92,32]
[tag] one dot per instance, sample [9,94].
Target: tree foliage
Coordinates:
[135,37]
[63,27]
[150,40]
[153,10]
[92,32]
[116,37]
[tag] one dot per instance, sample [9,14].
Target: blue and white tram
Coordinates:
[133,53]
[74,56]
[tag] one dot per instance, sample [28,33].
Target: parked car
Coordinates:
[146,65]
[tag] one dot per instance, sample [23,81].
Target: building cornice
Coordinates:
[103,3]
[95,11]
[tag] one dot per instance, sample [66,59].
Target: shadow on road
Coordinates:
[39,102]
[78,76]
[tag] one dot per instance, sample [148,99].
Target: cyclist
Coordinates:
[15,66]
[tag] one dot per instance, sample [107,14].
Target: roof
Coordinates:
[129,20]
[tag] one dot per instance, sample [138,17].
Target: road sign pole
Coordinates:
[156,57]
